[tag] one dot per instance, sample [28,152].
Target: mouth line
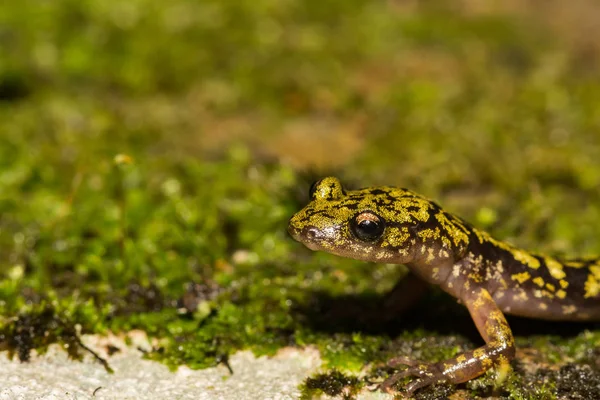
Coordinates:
[312,245]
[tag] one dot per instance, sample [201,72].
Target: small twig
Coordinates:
[224,359]
[97,357]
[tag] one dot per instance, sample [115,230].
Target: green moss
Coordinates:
[518,385]
[40,327]
[578,382]
[151,154]
[332,383]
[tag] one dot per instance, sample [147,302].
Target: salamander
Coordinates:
[490,277]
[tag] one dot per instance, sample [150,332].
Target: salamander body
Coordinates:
[490,277]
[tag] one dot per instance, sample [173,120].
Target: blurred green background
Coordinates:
[151,153]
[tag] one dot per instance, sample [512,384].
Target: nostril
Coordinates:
[312,233]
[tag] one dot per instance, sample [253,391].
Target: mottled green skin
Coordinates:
[488,276]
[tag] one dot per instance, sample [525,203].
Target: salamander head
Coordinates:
[373,224]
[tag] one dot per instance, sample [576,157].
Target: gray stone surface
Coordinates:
[54,377]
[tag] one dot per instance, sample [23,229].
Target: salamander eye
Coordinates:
[367,226]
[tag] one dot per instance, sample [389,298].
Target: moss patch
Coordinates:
[333,383]
[38,329]
[151,154]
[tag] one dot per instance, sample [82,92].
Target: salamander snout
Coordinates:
[293,231]
[310,236]
[309,233]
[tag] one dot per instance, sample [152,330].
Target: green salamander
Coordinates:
[490,277]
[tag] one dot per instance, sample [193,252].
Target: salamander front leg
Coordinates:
[499,349]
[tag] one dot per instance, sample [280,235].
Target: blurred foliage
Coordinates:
[151,154]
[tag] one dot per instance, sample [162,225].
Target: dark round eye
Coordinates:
[367,226]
